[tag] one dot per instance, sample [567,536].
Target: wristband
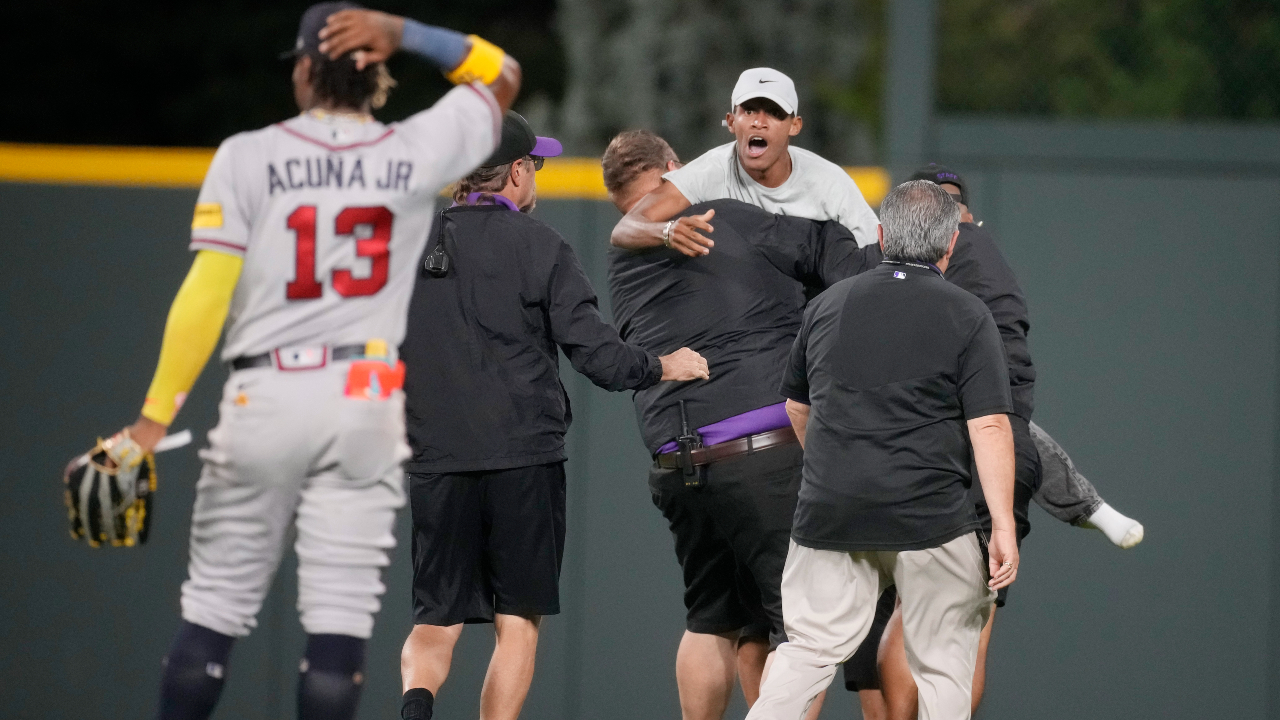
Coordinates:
[483,63]
[666,233]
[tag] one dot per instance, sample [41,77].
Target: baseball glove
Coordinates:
[108,493]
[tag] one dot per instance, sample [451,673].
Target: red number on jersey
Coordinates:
[376,247]
[373,247]
[304,286]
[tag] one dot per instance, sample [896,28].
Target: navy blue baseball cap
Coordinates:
[939,174]
[518,140]
[313,21]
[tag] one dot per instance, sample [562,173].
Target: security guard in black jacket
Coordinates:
[742,311]
[741,306]
[498,293]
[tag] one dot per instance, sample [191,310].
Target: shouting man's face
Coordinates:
[763,131]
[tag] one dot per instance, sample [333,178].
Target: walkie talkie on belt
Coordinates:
[688,440]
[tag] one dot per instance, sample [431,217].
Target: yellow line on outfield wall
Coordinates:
[102,165]
[570,178]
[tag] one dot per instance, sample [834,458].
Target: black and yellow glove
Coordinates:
[108,493]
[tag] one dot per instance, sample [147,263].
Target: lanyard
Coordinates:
[922,266]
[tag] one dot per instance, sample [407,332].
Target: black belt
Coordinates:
[341,352]
[731,448]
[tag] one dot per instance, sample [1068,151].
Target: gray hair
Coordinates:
[919,218]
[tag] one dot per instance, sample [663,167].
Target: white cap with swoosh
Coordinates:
[768,83]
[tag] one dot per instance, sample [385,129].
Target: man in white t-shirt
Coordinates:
[759,167]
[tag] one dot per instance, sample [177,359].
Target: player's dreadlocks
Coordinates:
[338,82]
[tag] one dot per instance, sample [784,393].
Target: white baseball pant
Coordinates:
[828,604]
[291,449]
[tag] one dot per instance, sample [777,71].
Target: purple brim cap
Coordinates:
[546,147]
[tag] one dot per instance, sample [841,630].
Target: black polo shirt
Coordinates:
[739,306]
[893,362]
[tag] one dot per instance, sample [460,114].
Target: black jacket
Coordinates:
[978,266]
[740,306]
[482,379]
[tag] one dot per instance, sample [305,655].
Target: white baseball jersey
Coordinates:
[817,189]
[330,213]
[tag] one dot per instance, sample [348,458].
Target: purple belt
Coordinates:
[752,422]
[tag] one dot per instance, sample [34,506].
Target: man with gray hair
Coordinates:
[902,377]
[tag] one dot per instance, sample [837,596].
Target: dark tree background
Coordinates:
[1175,59]
[170,73]
[149,72]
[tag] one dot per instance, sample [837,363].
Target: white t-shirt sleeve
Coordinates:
[222,220]
[456,134]
[704,178]
[853,212]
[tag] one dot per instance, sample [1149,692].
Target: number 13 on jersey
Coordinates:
[375,246]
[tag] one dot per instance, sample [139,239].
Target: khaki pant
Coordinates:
[829,601]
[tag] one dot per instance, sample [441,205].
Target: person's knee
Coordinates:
[423,638]
[194,672]
[330,677]
[521,629]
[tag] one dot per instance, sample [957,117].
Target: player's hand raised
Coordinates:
[683,365]
[686,238]
[373,35]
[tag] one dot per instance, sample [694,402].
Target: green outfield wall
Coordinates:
[1150,257]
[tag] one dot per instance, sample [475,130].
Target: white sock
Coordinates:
[1119,529]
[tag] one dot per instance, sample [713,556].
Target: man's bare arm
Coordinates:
[642,227]
[507,86]
[799,414]
[992,440]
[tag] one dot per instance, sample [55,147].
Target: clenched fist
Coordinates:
[684,364]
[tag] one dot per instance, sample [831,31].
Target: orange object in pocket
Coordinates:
[374,379]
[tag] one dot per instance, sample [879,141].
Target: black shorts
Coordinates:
[861,670]
[1026,480]
[731,537]
[486,542]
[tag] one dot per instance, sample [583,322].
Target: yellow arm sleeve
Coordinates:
[192,331]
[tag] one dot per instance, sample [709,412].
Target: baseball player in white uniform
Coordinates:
[307,235]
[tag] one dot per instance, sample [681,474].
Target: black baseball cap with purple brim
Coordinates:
[939,174]
[518,141]
[313,21]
